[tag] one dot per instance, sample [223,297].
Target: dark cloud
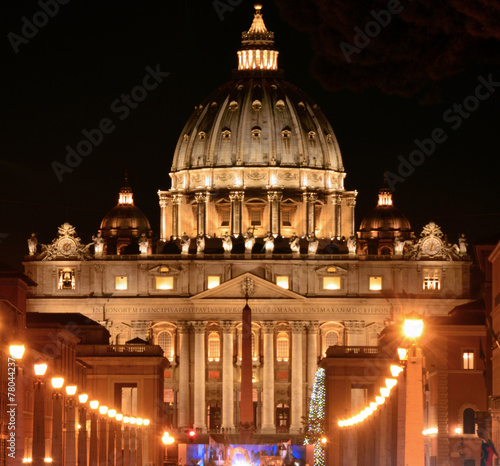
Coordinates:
[421,45]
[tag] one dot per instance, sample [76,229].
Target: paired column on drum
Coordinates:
[202,200]
[236,198]
[297,379]
[351,204]
[176,215]
[268,422]
[274,197]
[199,415]
[227,375]
[165,200]
[337,216]
[310,199]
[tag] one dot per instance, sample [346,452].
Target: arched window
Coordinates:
[213,347]
[120,339]
[469,421]
[331,339]
[282,347]
[165,341]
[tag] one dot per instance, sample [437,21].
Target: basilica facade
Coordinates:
[257,212]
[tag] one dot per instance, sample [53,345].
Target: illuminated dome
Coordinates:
[124,224]
[380,228]
[257,120]
[257,157]
[385,220]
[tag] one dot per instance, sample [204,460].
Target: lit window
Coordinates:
[331,283]
[255,217]
[282,281]
[213,347]
[286,218]
[213,281]
[121,283]
[375,283]
[331,339]
[225,217]
[282,347]
[165,341]
[468,359]
[164,283]
[432,280]
[254,353]
[66,280]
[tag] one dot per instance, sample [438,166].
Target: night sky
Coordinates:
[416,77]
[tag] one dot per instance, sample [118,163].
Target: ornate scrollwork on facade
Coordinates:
[199,326]
[66,245]
[247,286]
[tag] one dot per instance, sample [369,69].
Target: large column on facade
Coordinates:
[268,418]
[297,382]
[183,413]
[312,353]
[227,375]
[310,199]
[199,375]
[351,204]
[164,220]
[274,197]
[236,198]
[337,216]
[176,215]
[201,201]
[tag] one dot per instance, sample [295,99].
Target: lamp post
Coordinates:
[15,405]
[111,437]
[102,435]
[133,442]
[93,456]
[39,415]
[70,426]
[119,453]
[167,440]
[126,441]
[57,414]
[82,431]
[414,454]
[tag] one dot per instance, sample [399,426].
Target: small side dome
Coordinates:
[385,219]
[124,224]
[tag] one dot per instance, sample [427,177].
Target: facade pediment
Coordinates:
[259,288]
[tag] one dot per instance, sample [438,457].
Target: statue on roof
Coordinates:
[32,244]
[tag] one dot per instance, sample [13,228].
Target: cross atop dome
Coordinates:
[257,46]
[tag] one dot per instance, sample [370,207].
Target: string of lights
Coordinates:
[316,419]
[385,392]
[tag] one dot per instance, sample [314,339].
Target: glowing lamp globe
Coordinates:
[57,382]
[40,369]
[16,351]
[103,409]
[83,398]
[412,328]
[94,404]
[119,417]
[112,413]
[71,389]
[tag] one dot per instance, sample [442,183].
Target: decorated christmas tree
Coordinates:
[315,425]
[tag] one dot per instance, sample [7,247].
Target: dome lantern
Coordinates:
[257,46]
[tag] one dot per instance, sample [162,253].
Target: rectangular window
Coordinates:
[282,348]
[375,283]
[66,279]
[213,281]
[286,218]
[468,359]
[164,283]
[121,283]
[282,281]
[225,217]
[255,217]
[331,283]
[432,280]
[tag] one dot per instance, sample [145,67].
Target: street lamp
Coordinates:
[119,455]
[167,440]
[102,434]
[39,414]
[57,414]
[93,460]
[414,453]
[16,408]
[126,441]
[70,426]
[16,351]
[82,431]
[111,436]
